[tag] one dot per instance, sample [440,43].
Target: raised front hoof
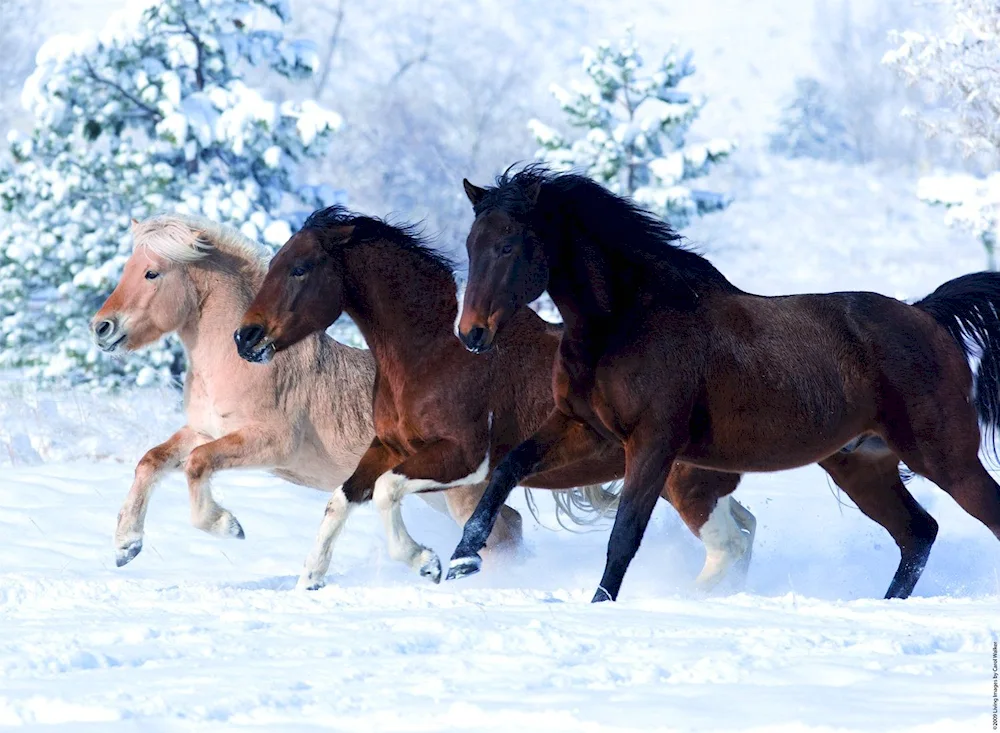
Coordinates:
[601,596]
[127,552]
[459,567]
[431,569]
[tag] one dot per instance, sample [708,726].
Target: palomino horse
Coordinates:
[666,356]
[442,416]
[306,417]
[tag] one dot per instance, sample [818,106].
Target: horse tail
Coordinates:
[968,307]
[582,507]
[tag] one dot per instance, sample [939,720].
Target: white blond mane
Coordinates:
[185,238]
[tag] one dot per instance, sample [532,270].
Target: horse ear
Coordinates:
[135,222]
[532,190]
[475,193]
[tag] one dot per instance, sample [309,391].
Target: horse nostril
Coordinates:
[475,338]
[104,329]
[248,337]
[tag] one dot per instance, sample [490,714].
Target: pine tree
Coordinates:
[154,114]
[960,65]
[634,128]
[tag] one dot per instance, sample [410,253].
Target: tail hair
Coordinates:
[582,507]
[969,308]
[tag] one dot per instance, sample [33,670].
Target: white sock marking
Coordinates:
[725,543]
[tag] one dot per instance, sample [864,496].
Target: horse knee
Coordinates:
[198,464]
[147,468]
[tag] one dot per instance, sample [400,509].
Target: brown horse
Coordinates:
[442,416]
[664,355]
[307,417]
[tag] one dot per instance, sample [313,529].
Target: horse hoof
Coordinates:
[126,553]
[307,583]
[227,526]
[432,569]
[601,596]
[459,567]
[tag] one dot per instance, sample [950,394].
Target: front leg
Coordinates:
[167,456]
[648,459]
[439,465]
[507,535]
[534,455]
[250,447]
[357,489]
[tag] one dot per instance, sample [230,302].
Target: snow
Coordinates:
[202,633]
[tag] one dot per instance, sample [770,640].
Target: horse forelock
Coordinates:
[185,239]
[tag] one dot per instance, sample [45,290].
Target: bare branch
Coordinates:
[199,72]
[331,48]
[407,64]
[152,112]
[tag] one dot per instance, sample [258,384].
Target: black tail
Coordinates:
[969,307]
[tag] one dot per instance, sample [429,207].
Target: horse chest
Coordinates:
[578,393]
[393,422]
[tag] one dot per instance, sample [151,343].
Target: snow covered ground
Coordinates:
[201,634]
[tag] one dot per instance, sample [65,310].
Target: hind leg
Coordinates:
[871,480]
[724,525]
[940,441]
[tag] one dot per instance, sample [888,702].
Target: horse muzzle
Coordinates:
[109,334]
[253,344]
[478,340]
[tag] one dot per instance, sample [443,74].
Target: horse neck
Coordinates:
[224,287]
[578,285]
[403,305]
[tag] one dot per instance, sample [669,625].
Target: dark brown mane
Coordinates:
[368,228]
[641,251]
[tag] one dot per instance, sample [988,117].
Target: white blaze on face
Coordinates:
[460,297]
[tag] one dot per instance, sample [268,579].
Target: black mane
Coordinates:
[369,228]
[643,248]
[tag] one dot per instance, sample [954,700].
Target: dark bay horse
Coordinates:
[443,417]
[661,353]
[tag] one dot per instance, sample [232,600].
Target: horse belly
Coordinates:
[313,467]
[765,445]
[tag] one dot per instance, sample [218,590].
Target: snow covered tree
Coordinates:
[155,113]
[811,126]
[973,204]
[634,127]
[960,66]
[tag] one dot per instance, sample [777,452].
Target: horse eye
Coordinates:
[507,249]
[298,271]
[150,275]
